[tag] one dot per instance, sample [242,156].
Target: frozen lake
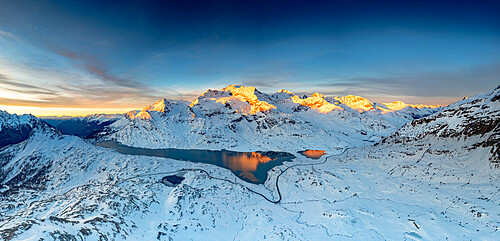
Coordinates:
[249,166]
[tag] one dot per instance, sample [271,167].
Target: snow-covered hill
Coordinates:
[473,120]
[434,179]
[243,118]
[15,128]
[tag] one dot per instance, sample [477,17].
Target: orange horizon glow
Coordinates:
[243,94]
[62,111]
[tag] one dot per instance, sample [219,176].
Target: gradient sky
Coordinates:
[78,57]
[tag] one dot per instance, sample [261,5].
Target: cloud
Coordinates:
[6,34]
[22,87]
[33,76]
[92,65]
[442,84]
[266,81]
[70,90]
[79,93]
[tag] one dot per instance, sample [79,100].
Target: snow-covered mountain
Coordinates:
[81,126]
[436,178]
[243,118]
[475,121]
[15,128]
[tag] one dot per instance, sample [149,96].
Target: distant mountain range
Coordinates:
[243,118]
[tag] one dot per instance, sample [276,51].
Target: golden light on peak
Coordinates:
[317,102]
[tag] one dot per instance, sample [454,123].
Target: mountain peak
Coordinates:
[247,100]
[16,128]
[163,106]
[476,116]
[316,101]
[396,105]
[235,86]
[356,102]
[318,95]
[285,91]
[399,105]
[7,119]
[240,90]
[159,106]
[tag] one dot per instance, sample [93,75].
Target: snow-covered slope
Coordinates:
[58,187]
[435,179]
[243,118]
[474,120]
[81,126]
[15,128]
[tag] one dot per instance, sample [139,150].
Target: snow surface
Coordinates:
[427,181]
[14,121]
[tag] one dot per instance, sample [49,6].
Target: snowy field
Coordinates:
[436,178]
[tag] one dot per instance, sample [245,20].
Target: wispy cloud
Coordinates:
[23,87]
[93,66]
[6,34]
[33,76]
[426,86]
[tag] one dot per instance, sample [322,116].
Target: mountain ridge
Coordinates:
[16,128]
[243,118]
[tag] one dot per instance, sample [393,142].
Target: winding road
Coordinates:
[186,170]
[235,183]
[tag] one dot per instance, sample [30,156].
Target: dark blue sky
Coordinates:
[124,54]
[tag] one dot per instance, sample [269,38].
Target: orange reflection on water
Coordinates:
[249,176]
[315,154]
[245,162]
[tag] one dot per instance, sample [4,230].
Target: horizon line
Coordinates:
[41,112]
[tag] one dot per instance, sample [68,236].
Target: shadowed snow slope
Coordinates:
[15,128]
[243,118]
[81,126]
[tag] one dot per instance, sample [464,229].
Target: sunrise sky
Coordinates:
[80,57]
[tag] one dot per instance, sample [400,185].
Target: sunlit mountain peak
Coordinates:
[316,101]
[143,115]
[419,106]
[246,94]
[160,106]
[356,102]
[318,95]
[208,94]
[240,90]
[285,91]
[399,105]
[396,105]
[246,100]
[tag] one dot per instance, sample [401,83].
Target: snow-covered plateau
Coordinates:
[393,172]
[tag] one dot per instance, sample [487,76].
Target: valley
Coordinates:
[249,166]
